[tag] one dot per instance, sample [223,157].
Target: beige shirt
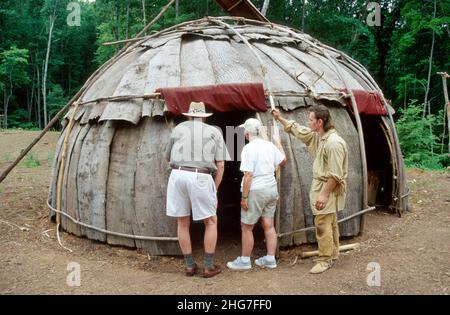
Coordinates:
[196,144]
[330,161]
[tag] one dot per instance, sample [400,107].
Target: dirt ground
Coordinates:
[412,252]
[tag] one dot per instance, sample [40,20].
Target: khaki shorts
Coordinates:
[261,203]
[189,190]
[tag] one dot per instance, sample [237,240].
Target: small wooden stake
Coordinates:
[342,248]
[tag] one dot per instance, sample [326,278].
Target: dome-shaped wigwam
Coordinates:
[115,175]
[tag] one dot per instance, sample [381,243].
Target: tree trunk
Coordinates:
[6,98]
[176,8]
[127,19]
[5,110]
[444,76]
[430,65]
[143,13]
[303,15]
[38,116]
[30,107]
[52,19]
[265,7]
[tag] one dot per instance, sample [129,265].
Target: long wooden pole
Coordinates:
[444,76]
[276,132]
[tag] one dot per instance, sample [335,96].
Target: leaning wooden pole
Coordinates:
[79,94]
[276,132]
[61,175]
[444,76]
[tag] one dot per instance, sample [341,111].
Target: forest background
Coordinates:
[46,53]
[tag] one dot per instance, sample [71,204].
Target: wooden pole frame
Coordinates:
[444,76]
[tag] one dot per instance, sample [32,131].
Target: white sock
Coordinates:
[270,258]
[245,259]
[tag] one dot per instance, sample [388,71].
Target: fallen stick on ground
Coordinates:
[341,249]
[22,228]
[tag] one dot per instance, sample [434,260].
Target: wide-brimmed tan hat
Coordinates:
[197,109]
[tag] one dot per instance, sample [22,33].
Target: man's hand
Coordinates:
[276,114]
[322,201]
[244,204]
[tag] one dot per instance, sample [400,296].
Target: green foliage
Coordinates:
[55,99]
[19,119]
[31,161]
[50,155]
[395,53]
[419,145]
[13,66]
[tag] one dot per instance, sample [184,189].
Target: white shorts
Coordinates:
[189,190]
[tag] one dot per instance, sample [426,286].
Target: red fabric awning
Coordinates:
[368,102]
[217,98]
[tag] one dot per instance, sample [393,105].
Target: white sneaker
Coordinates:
[264,262]
[238,264]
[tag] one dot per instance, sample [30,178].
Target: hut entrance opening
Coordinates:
[379,161]
[229,194]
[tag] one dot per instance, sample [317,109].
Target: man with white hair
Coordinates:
[196,152]
[259,160]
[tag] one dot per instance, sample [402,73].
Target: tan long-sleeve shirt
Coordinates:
[330,161]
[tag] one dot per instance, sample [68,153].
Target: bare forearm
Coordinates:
[329,186]
[283,121]
[248,177]
[219,175]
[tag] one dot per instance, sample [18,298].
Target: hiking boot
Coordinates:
[320,267]
[190,271]
[264,262]
[238,264]
[211,271]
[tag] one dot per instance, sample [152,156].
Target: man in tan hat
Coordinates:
[328,188]
[259,160]
[196,152]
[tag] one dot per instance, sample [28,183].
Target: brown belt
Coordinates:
[192,169]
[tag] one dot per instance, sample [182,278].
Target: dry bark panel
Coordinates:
[92,175]
[225,62]
[151,180]
[163,69]
[66,223]
[120,213]
[71,201]
[108,82]
[196,68]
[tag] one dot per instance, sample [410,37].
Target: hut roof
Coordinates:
[203,52]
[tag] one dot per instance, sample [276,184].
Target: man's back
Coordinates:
[196,144]
[261,157]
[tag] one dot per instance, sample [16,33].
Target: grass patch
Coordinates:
[8,157]
[31,161]
[50,155]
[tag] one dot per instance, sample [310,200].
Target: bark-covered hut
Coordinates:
[114,179]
